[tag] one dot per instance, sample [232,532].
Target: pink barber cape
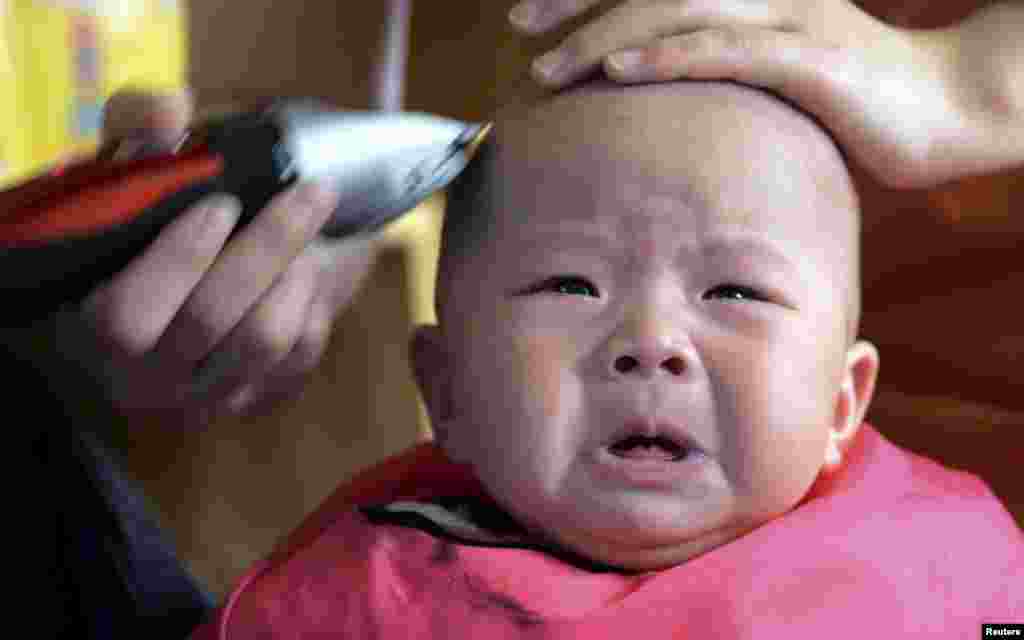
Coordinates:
[892,544]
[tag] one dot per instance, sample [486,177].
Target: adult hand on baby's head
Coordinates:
[193,326]
[899,101]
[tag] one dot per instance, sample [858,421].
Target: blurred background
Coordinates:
[58,61]
[942,272]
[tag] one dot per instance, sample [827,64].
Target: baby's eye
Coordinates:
[735,292]
[568,285]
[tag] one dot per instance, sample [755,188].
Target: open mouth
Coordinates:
[652,453]
[640,447]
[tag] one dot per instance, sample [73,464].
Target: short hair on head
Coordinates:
[467,219]
[469,213]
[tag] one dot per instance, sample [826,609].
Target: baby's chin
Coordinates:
[647,558]
[639,551]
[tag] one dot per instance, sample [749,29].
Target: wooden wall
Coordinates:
[942,269]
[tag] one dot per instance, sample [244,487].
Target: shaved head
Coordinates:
[702,138]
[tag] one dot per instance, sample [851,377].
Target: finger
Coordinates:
[788,63]
[265,337]
[246,270]
[538,16]
[344,268]
[308,350]
[158,117]
[125,312]
[636,24]
[254,401]
[347,266]
[289,377]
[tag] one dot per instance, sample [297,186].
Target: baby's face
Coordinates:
[665,261]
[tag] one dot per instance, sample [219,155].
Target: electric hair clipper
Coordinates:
[65,232]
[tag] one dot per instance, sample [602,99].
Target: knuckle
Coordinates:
[705,43]
[663,55]
[774,46]
[730,40]
[115,323]
[584,44]
[200,319]
[310,348]
[791,25]
[575,46]
[274,333]
[269,343]
[306,356]
[124,111]
[287,227]
[318,333]
[195,255]
[677,12]
[292,220]
[194,245]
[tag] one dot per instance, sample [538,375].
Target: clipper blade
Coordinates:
[476,138]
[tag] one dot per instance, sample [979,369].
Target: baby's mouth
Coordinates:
[647,439]
[653,454]
[638,447]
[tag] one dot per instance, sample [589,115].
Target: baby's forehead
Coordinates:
[706,154]
[662,230]
[600,111]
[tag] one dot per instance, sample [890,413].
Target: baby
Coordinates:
[648,398]
[646,331]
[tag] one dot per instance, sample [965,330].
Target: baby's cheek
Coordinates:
[768,423]
[541,365]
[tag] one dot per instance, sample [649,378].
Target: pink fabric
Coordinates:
[893,543]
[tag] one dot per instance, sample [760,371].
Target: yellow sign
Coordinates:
[11,138]
[61,59]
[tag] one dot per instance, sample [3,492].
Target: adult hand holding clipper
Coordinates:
[174,314]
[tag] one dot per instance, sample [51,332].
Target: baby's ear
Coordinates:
[854,397]
[432,370]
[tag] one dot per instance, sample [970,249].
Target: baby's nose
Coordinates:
[649,359]
[652,338]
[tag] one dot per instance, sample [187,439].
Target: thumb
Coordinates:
[159,118]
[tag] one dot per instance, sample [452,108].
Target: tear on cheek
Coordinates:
[542,361]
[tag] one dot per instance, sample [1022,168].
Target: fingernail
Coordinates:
[523,15]
[625,61]
[221,218]
[550,64]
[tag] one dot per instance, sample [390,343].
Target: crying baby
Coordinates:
[648,396]
[648,301]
